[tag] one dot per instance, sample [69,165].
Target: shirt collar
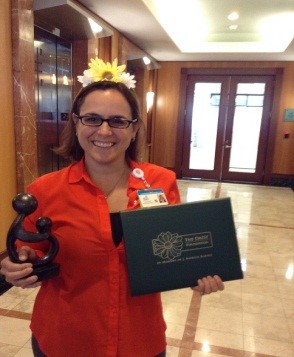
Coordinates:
[78,172]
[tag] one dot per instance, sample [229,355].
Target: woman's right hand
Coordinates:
[16,273]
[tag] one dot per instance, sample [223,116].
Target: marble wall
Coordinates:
[23,92]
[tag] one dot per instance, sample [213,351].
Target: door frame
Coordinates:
[183,109]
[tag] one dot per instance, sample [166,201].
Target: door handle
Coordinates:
[226,144]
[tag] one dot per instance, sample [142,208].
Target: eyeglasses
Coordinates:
[114,122]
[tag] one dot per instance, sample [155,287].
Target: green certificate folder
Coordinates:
[170,247]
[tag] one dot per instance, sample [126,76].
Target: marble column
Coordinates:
[24,92]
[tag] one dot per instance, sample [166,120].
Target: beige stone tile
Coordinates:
[260,286]
[283,274]
[217,320]
[179,295]
[8,301]
[175,313]
[26,305]
[172,351]
[25,352]
[7,350]
[175,330]
[218,338]
[286,288]
[280,246]
[259,260]
[266,327]
[19,292]
[227,299]
[204,354]
[250,247]
[14,331]
[290,322]
[281,261]
[28,344]
[262,304]
[233,286]
[268,347]
[260,272]
[288,306]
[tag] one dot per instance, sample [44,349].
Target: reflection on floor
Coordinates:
[252,317]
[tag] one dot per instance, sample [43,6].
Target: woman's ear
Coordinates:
[136,127]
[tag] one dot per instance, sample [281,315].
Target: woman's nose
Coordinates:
[104,128]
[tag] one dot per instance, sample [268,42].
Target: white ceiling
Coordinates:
[134,19]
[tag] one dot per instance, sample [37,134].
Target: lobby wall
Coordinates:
[167,112]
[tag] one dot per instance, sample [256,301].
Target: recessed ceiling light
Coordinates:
[233,27]
[146,60]
[233,16]
[96,28]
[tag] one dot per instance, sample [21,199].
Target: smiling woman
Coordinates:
[88,310]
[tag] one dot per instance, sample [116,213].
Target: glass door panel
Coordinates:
[246,127]
[204,126]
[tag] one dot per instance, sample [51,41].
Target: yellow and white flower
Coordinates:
[86,78]
[100,71]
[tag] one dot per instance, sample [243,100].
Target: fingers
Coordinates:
[28,283]
[17,274]
[26,253]
[209,284]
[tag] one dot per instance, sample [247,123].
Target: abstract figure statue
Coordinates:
[25,204]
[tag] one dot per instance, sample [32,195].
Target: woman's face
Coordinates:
[105,145]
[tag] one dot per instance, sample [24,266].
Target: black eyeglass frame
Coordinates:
[127,121]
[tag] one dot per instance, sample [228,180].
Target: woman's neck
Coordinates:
[109,177]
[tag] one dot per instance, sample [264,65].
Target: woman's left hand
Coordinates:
[209,285]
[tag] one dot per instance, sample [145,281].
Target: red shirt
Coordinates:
[88,309]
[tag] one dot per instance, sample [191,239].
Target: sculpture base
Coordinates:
[46,271]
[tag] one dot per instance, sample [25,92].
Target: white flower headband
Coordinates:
[100,71]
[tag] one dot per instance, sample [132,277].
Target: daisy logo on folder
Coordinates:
[169,246]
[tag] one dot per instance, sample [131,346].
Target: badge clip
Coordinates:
[139,174]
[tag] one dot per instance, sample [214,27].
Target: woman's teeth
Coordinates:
[102,144]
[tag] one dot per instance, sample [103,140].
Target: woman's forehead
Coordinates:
[108,100]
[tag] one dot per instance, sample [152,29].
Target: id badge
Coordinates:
[152,198]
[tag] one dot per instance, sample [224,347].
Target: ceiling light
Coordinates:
[38,43]
[96,28]
[65,80]
[146,60]
[290,272]
[53,78]
[149,100]
[233,16]
[233,27]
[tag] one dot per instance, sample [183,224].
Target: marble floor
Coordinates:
[251,317]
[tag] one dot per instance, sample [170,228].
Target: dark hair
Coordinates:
[70,148]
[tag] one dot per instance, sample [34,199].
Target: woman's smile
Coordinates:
[102,144]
